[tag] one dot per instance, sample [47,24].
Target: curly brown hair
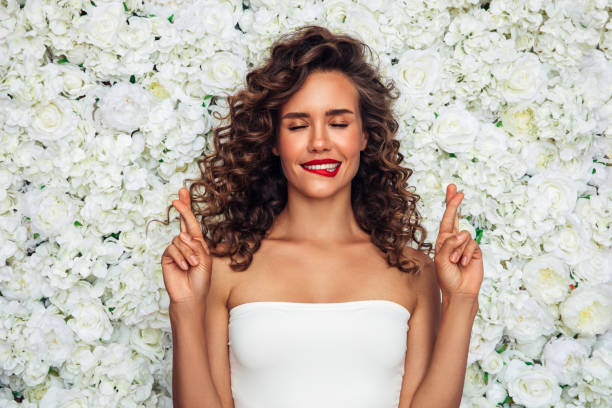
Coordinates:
[242,186]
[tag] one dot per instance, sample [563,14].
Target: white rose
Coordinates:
[564,357]
[125,107]
[522,80]
[588,309]
[90,322]
[547,278]
[75,82]
[223,72]
[137,34]
[50,335]
[496,393]
[53,120]
[134,178]
[568,242]
[147,342]
[525,318]
[596,267]
[539,156]
[552,194]
[595,79]
[50,210]
[491,140]
[532,348]
[455,129]
[532,385]
[519,121]
[493,363]
[418,71]
[102,23]
[474,385]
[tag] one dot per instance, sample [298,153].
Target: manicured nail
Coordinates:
[193,260]
[464,261]
[455,257]
[184,265]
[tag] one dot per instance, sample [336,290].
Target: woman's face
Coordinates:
[321,121]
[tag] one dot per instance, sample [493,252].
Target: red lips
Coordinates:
[321,161]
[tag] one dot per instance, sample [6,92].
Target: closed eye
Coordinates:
[333,124]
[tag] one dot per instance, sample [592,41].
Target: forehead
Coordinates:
[323,90]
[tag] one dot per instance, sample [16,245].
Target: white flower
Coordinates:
[596,267]
[147,342]
[588,309]
[53,120]
[223,72]
[519,121]
[526,318]
[595,79]
[50,210]
[125,107]
[89,322]
[418,71]
[102,23]
[552,194]
[492,141]
[522,80]
[474,381]
[455,129]
[547,278]
[137,34]
[57,396]
[134,178]
[564,356]
[532,385]
[493,363]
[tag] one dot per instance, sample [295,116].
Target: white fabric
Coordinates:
[294,355]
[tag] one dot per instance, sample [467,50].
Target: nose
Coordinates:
[319,139]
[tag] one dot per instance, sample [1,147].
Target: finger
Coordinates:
[183,225]
[198,246]
[453,243]
[177,257]
[459,251]
[192,226]
[447,223]
[451,190]
[468,253]
[188,252]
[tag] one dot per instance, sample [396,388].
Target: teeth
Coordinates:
[329,167]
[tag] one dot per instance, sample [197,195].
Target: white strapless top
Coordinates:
[317,355]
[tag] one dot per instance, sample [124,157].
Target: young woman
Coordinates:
[292,282]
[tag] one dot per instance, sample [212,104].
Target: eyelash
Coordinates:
[333,124]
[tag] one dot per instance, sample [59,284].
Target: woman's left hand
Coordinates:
[458,258]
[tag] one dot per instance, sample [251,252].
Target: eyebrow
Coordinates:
[330,112]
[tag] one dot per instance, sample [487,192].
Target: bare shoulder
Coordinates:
[222,277]
[425,281]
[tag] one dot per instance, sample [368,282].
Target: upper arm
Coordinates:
[217,317]
[423,326]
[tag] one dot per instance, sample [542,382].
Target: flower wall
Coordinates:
[105,106]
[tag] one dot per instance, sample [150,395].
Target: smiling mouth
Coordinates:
[328,170]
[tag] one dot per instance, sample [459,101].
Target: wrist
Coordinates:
[459,301]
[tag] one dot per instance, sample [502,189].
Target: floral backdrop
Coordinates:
[105,107]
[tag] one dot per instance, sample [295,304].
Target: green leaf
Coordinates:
[62,61]
[452,155]
[161,160]
[474,160]
[36,235]
[499,123]
[528,363]
[152,15]
[93,4]
[171,18]
[436,114]
[207,97]
[110,309]
[125,7]
[582,25]
[486,377]
[478,235]
[343,19]
[78,224]
[43,186]
[502,349]
[132,78]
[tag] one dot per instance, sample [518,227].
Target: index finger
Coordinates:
[188,220]
[450,220]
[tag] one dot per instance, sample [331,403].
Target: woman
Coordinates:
[304,270]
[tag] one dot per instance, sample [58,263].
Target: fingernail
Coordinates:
[455,257]
[194,260]
[464,261]
[184,265]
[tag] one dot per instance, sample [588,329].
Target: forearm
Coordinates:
[192,384]
[442,386]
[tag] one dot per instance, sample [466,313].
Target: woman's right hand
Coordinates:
[186,263]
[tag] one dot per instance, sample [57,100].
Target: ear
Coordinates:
[364,141]
[275,151]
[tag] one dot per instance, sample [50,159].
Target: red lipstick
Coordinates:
[322,172]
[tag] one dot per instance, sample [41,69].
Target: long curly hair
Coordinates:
[242,186]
